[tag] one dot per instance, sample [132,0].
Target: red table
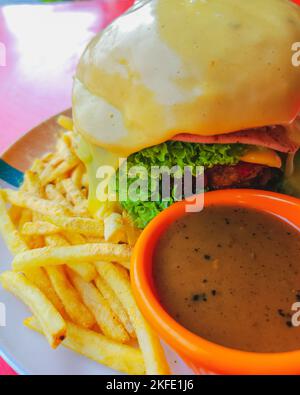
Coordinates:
[43,44]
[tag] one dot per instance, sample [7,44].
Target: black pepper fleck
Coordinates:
[199,297]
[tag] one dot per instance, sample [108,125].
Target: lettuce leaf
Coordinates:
[170,154]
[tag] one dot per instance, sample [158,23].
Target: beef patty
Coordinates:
[242,175]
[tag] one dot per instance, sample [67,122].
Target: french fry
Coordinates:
[72,192]
[49,256]
[85,180]
[93,240]
[115,305]
[39,228]
[53,193]
[60,188]
[38,166]
[77,175]
[10,234]
[151,348]
[45,159]
[67,144]
[114,228]
[54,161]
[25,200]
[75,196]
[57,245]
[75,238]
[32,183]
[40,279]
[123,271]
[85,192]
[16,244]
[26,216]
[97,347]
[50,174]
[14,213]
[85,269]
[70,298]
[65,122]
[35,242]
[62,149]
[98,306]
[84,226]
[107,208]
[51,321]
[56,241]
[37,217]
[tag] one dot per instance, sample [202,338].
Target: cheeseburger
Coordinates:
[200,83]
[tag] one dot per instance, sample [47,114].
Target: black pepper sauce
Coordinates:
[231,276]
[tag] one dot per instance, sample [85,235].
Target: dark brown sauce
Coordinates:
[231,276]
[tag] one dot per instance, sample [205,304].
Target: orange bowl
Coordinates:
[202,355]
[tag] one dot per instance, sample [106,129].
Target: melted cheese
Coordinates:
[94,157]
[262,156]
[205,67]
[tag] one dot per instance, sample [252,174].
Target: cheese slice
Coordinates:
[262,156]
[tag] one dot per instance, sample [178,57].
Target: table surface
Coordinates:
[42,46]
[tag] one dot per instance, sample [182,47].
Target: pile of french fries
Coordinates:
[71,269]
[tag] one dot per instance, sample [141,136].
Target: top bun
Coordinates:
[204,67]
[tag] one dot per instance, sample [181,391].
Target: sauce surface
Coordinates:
[231,276]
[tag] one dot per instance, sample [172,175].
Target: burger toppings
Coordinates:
[224,168]
[272,137]
[242,175]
